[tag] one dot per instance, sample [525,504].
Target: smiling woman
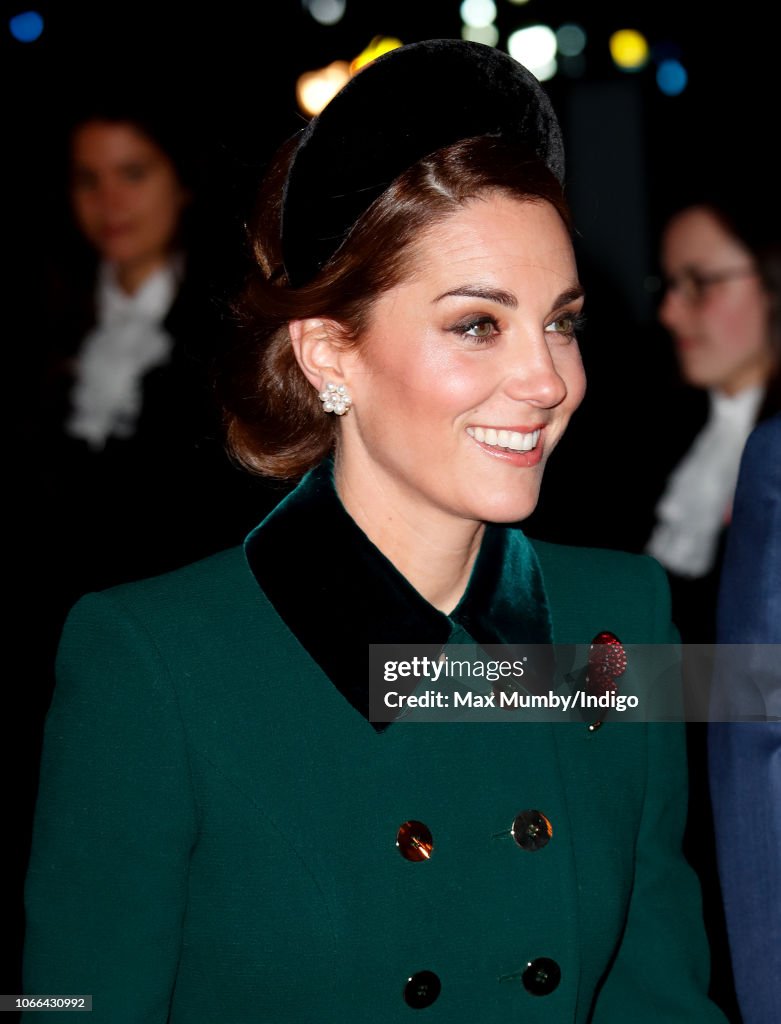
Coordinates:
[224,830]
[722,306]
[128,198]
[125,409]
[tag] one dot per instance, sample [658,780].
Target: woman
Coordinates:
[722,264]
[244,840]
[126,414]
[122,404]
[722,306]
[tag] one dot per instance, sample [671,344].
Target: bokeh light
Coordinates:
[26,27]
[488,34]
[629,49]
[375,49]
[315,89]
[671,77]
[571,40]
[535,48]
[327,12]
[478,13]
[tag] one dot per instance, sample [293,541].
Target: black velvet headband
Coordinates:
[403,107]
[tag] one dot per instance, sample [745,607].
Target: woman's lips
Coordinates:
[115,231]
[518,446]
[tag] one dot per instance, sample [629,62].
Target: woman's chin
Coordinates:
[508,508]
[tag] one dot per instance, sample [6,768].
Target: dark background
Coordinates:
[228,70]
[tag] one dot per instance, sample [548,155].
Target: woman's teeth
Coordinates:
[505,438]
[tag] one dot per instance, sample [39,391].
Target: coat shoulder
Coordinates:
[595,589]
[192,599]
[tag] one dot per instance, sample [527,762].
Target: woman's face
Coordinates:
[715,306]
[126,194]
[469,372]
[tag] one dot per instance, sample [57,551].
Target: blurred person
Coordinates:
[745,757]
[135,464]
[114,396]
[722,307]
[721,265]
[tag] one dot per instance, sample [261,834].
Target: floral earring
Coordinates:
[335,398]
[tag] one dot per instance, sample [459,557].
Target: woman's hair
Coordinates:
[758,232]
[274,419]
[161,124]
[164,128]
[743,213]
[746,218]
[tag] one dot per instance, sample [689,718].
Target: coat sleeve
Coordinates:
[114,825]
[661,970]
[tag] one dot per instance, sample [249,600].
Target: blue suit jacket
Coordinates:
[745,759]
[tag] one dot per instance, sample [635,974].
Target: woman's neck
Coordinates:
[434,551]
[132,276]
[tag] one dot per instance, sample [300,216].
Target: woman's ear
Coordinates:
[318,346]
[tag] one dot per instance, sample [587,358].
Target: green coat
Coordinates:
[216,828]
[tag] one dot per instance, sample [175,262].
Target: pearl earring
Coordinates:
[335,398]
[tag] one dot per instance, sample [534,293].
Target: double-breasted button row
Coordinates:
[540,977]
[531,830]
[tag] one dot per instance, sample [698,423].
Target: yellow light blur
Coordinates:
[376,48]
[315,89]
[629,49]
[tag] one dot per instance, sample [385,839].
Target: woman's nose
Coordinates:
[110,196]
[535,378]
[673,309]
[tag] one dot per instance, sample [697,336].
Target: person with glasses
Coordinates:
[722,271]
[721,263]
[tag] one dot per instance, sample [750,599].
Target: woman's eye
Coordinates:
[134,172]
[83,181]
[482,329]
[568,324]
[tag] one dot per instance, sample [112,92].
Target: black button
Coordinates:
[541,976]
[531,830]
[422,990]
[415,841]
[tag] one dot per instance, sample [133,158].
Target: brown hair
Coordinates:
[275,422]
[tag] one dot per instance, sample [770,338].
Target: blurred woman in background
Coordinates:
[136,470]
[721,305]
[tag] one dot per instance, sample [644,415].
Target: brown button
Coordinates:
[531,830]
[422,989]
[541,976]
[414,841]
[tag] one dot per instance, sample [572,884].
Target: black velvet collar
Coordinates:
[338,593]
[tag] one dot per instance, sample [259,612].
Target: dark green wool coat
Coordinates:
[216,828]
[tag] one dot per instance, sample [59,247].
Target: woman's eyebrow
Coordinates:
[504,298]
[570,295]
[475,291]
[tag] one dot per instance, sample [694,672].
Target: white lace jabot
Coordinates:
[127,341]
[698,497]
